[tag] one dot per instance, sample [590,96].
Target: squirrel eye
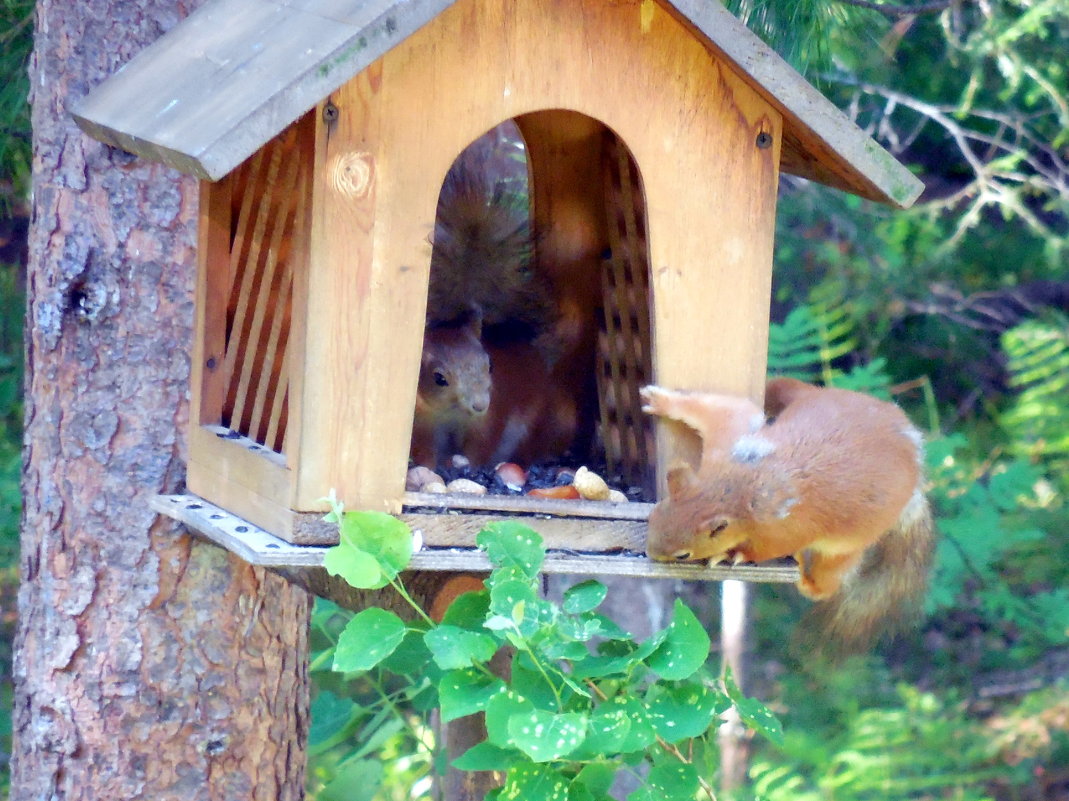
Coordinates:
[440,379]
[717,528]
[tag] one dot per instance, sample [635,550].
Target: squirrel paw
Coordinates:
[814,591]
[733,556]
[656,400]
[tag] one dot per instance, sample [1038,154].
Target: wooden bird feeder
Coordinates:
[655,132]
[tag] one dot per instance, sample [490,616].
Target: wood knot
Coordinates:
[352,174]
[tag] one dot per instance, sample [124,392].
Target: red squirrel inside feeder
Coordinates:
[487,388]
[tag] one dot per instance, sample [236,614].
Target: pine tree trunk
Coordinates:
[148,665]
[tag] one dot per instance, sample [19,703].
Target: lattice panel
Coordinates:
[269,194]
[624,362]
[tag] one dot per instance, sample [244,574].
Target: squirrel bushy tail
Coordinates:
[482,257]
[882,595]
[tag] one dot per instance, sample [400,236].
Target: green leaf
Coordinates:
[535,783]
[607,733]
[355,780]
[500,708]
[383,536]
[468,610]
[640,733]
[583,627]
[583,597]
[509,543]
[423,695]
[410,657]
[685,711]
[669,781]
[465,692]
[571,651]
[329,619]
[684,650]
[580,792]
[597,777]
[358,568]
[332,721]
[487,756]
[507,595]
[545,736]
[609,629]
[371,636]
[454,647]
[373,735]
[753,713]
[531,683]
[613,657]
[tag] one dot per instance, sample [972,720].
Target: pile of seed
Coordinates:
[509,478]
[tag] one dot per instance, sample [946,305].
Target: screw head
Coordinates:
[764,140]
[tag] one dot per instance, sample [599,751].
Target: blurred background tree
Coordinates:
[16,41]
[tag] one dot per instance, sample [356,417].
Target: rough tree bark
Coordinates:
[148,665]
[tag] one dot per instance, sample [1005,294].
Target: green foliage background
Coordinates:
[956,308]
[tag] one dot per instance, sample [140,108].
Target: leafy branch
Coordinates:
[582,702]
[995,159]
[898,10]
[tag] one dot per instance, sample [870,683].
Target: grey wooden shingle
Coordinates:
[233,74]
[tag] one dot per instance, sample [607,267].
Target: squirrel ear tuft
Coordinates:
[679,479]
[474,319]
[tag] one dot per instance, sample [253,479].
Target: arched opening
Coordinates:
[541,260]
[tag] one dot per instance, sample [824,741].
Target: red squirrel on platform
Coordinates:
[831,477]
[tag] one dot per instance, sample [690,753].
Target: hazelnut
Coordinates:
[590,485]
[512,475]
[465,486]
[419,477]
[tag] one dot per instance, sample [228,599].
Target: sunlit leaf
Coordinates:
[369,637]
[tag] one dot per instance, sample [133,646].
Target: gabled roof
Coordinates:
[235,73]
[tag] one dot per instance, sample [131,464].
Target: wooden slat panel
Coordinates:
[261,548]
[268,225]
[207,379]
[241,346]
[624,350]
[286,373]
[531,505]
[242,476]
[572,534]
[275,436]
[297,235]
[259,373]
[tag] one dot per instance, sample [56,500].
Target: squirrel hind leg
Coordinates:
[822,573]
